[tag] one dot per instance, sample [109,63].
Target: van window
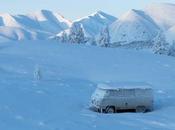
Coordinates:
[118,93]
[129,92]
[121,92]
[145,92]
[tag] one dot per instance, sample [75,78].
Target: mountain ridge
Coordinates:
[152,26]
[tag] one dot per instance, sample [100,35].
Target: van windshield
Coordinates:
[100,93]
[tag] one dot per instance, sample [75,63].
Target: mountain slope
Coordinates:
[163,14]
[50,21]
[133,26]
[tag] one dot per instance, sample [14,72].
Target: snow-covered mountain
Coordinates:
[149,28]
[91,26]
[153,27]
[163,14]
[95,22]
[133,26]
[37,25]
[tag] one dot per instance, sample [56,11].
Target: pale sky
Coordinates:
[73,9]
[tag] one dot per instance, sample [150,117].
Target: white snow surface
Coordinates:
[69,75]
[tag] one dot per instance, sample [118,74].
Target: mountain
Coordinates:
[91,25]
[38,25]
[152,27]
[95,22]
[133,26]
[163,14]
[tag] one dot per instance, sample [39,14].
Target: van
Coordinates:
[114,97]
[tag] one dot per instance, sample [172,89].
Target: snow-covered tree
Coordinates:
[172,49]
[104,38]
[160,45]
[37,73]
[76,34]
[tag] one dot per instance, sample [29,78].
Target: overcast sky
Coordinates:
[73,9]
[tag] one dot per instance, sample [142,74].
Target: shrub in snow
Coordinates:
[104,38]
[37,73]
[160,46]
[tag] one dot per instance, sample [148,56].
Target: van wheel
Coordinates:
[140,109]
[110,109]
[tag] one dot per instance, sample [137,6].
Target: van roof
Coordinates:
[124,85]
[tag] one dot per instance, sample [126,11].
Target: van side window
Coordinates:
[112,93]
[115,93]
[121,92]
[145,93]
[118,93]
[129,92]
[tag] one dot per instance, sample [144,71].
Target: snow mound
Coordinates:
[133,26]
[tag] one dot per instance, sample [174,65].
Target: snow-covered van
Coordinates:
[113,97]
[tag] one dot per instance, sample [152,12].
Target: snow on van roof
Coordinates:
[124,85]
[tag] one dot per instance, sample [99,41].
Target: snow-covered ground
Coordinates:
[70,73]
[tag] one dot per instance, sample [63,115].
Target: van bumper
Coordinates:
[93,108]
[96,109]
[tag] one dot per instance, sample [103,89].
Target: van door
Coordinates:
[129,95]
[120,99]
